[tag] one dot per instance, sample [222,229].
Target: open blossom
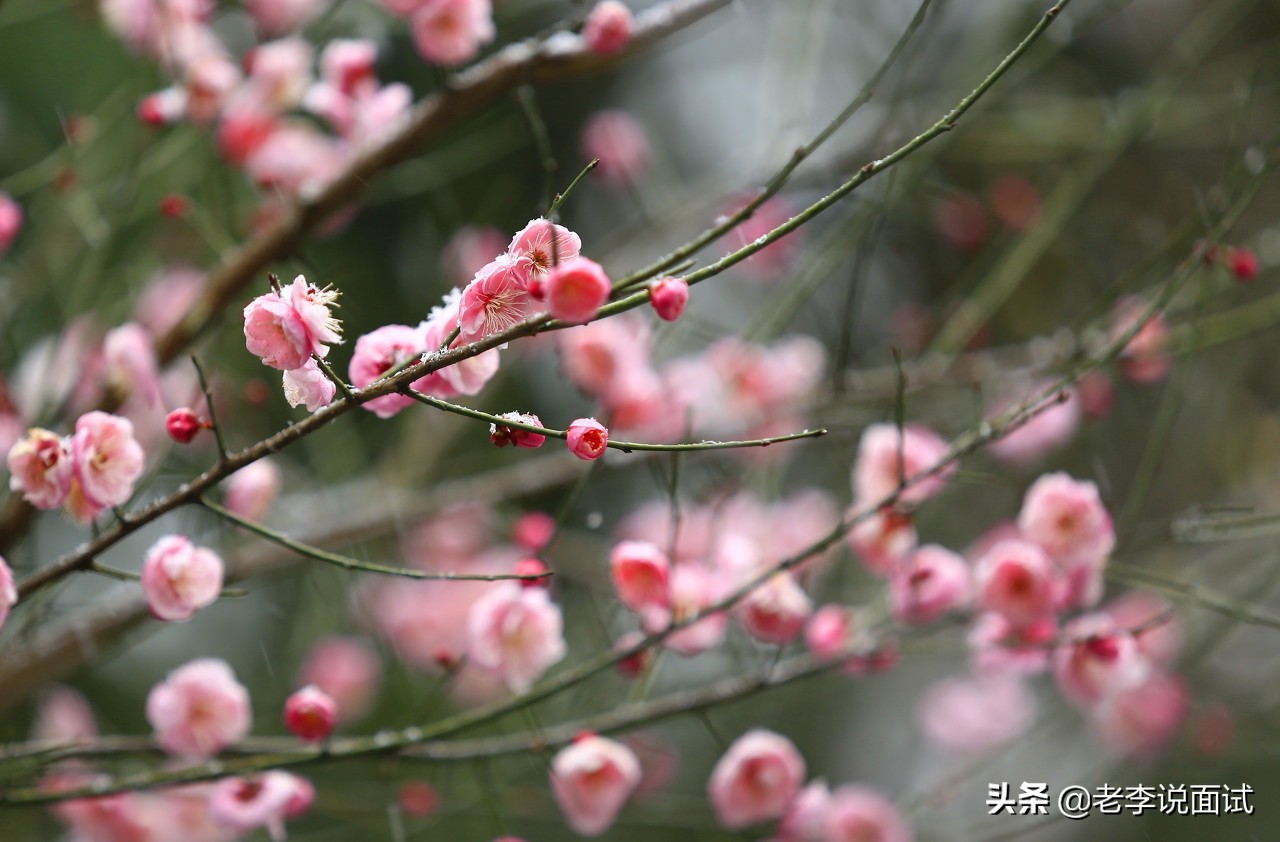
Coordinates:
[1140,720]
[883,540]
[379,351]
[641,575]
[345,669]
[308,386]
[618,142]
[933,582]
[829,631]
[310,713]
[496,299]
[858,813]
[756,779]
[591,780]
[199,710]
[1046,431]
[451,32]
[266,800]
[252,489]
[516,632]
[108,460]
[694,588]
[608,27]
[806,817]
[8,591]
[885,459]
[1067,519]
[179,578]
[1096,659]
[40,467]
[284,329]
[1016,579]
[538,247]
[587,438]
[576,289]
[776,611]
[976,715]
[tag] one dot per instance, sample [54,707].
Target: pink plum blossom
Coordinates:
[347,670]
[1152,623]
[1146,358]
[1046,431]
[587,438]
[883,540]
[576,289]
[310,713]
[169,295]
[776,611]
[976,715]
[1095,659]
[669,297]
[379,351]
[540,246]
[1016,579]
[179,578]
[278,17]
[932,583]
[259,801]
[64,715]
[806,817]
[641,575]
[8,592]
[107,458]
[591,780]
[199,710]
[829,631]
[469,250]
[998,646]
[296,159]
[10,221]
[856,813]
[886,459]
[40,466]
[348,64]
[771,262]
[496,299]
[1067,519]
[308,386]
[451,32]
[533,530]
[467,377]
[608,27]
[1139,721]
[756,779]
[694,588]
[252,489]
[618,142]
[515,632]
[284,329]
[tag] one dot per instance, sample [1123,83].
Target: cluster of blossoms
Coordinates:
[732,387]
[720,547]
[1020,582]
[291,328]
[487,635]
[258,104]
[93,469]
[255,104]
[199,710]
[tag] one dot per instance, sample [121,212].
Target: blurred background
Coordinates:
[990,259]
